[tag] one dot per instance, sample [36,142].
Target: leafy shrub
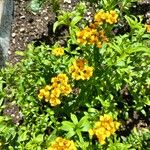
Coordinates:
[57,95]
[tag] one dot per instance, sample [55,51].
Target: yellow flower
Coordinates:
[41,94]
[47,87]
[93,25]
[62,78]
[106,117]
[112,17]
[59,51]
[91,132]
[80,63]
[54,79]
[104,128]
[88,72]
[62,144]
[109,17]
[99,17]
[55,92]
[147,27]
[54,101]
[47,96]
[59,86]
[76,75]
[55,85]
[79,70]
[66,89]
[99,45]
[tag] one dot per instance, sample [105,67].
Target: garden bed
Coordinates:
[79,78]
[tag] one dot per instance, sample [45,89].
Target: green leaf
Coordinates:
[74,119]
[67,126]
[82,121]
[10,148]
[22,137]
[147,102]
[70,134]
[20,53]
[35,5]
[1,119]
[39,138]
[56,24]
[79,135]
[75,20]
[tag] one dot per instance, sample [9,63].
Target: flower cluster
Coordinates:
[147,27]
[104,128]
[91,35]
[80,70]
[62,144]
[52,93]
[108,17]
[58,51]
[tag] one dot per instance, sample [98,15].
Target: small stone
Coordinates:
[46,18]
[88,13]
[13,35]
[9,52]
[67,1]
[12,115]
[22,29]
[69,6]
[22,17]
[13,41]
[44,11]
[17,117]
[148,14]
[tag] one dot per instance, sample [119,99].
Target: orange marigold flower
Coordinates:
[55,92]
[80,70]
[47,87]
[62,144]
[59,86]
[62,78]
[54,101]
[109,17]
[104,128]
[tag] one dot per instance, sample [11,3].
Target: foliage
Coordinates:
[57,95]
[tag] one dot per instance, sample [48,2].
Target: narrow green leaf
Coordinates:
[56,24]
[70,134]
[74,119]
[20,53]
[75,20]
[67,126]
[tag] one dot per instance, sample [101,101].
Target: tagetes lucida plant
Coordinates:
[104,128]
[81,70]
[62,144]
[51,93]
[110,17]
[94,34]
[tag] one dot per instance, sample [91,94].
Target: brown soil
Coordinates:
[28,27]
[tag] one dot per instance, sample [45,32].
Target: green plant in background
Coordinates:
[121,146]
[35,5]
[139,139]
[71,19]
[124,5]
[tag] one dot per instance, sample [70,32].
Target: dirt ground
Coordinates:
[28,27]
